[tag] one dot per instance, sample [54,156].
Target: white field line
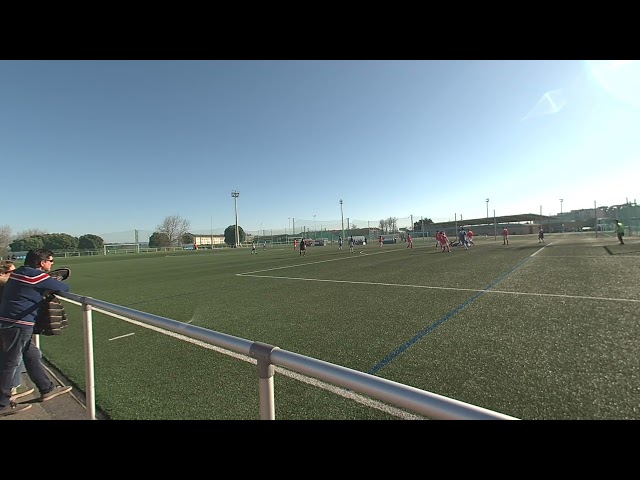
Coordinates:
[354,282]
[368,402]
[582,297]
[538,251]
[121,336]
[371,403]
[317,262]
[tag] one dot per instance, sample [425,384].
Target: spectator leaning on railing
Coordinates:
[21,298]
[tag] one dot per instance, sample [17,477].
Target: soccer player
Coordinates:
[253,248]
[540,234]
[619,231]
[409,241]
[462,238]
[505,236]
[444,242]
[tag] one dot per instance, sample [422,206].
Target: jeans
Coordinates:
[17,346]
[17,378]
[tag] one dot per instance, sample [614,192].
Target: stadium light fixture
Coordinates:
[235,194]
[342,218]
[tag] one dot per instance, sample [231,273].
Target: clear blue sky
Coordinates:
[135,141]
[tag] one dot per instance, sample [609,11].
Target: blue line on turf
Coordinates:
[402,348]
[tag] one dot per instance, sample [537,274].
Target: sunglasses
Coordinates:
[50,261]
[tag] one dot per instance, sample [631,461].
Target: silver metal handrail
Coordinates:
[429,404]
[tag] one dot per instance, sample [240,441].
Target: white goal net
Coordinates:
[116,248]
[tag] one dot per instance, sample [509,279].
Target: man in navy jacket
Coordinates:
[21,298]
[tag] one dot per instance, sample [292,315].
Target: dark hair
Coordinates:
[37,255]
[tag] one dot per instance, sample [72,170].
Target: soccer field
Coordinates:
[531,330]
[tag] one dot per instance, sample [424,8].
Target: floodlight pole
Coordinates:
[314,228]
[595,214]
[342,218]
[629,216]
[235,196]
[487,200]
[561,220]
[540,216]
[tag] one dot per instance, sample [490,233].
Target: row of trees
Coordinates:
[173,230]
[57,241]
[30,239]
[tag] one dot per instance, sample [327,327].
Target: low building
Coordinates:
[208,240]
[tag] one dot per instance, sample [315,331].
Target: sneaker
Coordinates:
[13,408]
[20,391]
[54,393]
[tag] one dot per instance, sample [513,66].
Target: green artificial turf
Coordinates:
[531,332]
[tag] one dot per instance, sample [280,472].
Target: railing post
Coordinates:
[90,387]
[262,353]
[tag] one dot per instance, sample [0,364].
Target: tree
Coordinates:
[174,227]
[230,235]
[90,242]
[188,238]
[59,241]
[423,221]
[5,239]
[32,232]
[158,239]
[24,244]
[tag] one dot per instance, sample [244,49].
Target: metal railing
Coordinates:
[419,401]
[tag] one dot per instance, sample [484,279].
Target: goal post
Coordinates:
[116,248]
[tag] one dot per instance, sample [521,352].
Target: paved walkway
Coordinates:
[69,406]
